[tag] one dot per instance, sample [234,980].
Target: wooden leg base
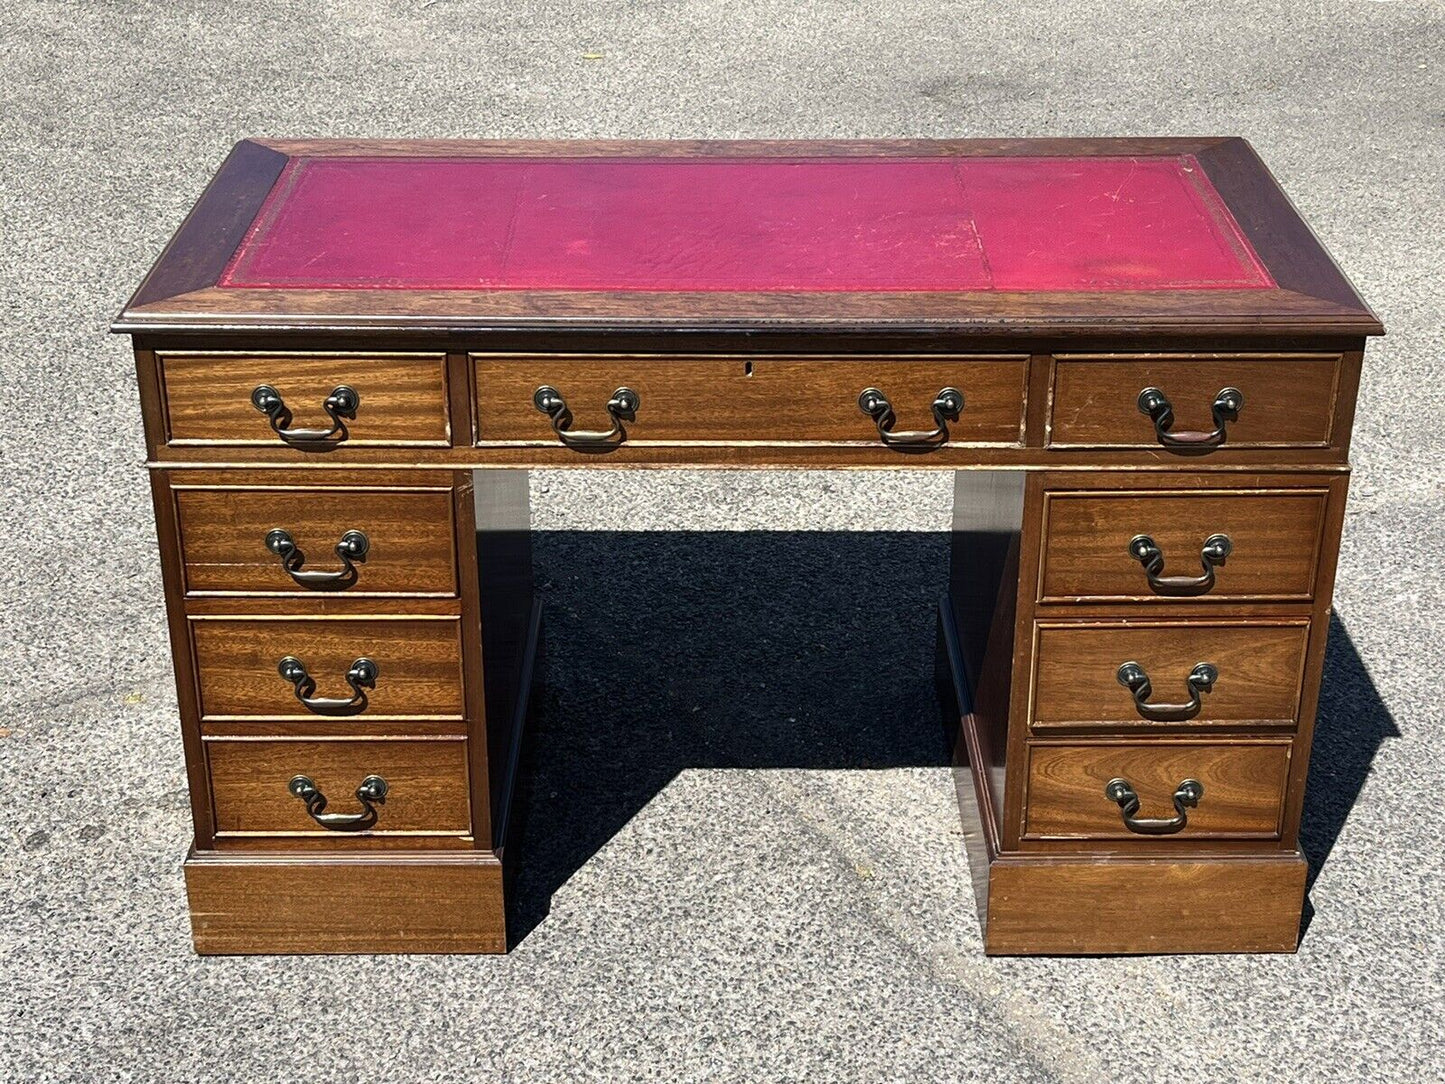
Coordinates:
[258,903]
[1052,905]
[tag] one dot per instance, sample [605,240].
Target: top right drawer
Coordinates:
[1193,404]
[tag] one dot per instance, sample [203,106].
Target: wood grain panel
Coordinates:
[1289,400]
[435,318]
[1070,906]
[1244,786]
[1056,146]
[1260,665]
[351,903]
[1275,536]
[201,248]
[208,396]
[752,399]
[426,780]
[418,662]
[536,455]
[410,531]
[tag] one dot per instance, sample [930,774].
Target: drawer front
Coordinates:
[1258,664]
[417,667]
[1242,796]
[751,399]
[1287,401]
[425,787]
[401,399]
[406,546]
[1270,548]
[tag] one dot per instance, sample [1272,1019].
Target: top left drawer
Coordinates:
[311,402]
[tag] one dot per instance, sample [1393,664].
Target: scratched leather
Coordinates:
[746,224]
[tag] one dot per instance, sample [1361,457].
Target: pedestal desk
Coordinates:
[1134,355]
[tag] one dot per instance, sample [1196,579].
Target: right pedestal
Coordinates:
[1134,714]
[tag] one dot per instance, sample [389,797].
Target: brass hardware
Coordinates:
[371,793]
[1200,680]
[352,547]
[947,405]
[622,405]
[341,403]
[360,677]
[1156,405]
[1217,547]
[1186,797]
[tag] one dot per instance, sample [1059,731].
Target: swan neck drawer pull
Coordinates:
[341,403]
[1160,410]
[360,677]
[947,405]
[1217,547]
[370,794]
[1200,680]
[352,548]
[1186,797]
[621,407]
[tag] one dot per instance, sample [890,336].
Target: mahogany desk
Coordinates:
[351,352]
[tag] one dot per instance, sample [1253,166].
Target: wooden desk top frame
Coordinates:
[1311,295]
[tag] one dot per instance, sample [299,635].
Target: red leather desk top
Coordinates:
[815,224]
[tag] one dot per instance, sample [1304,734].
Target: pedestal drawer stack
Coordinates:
[1169,635]
[328,667]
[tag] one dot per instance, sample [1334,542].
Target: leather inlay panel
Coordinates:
[746,224]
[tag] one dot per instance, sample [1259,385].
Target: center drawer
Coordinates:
[422,790]
[768,399]
[366,667]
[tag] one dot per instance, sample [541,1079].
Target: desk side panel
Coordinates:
[984,551]
[182,660]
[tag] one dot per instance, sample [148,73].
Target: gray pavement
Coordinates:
[752,870]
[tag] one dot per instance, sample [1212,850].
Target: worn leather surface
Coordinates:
[746,224]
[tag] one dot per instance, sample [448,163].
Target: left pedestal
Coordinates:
[354,652]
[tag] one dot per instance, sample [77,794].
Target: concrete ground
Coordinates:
[747,865]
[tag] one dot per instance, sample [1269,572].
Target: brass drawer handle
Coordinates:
[370,794]
[1200,680]
[1160,410]
[1186,797]
[947,405]
[341,403]
[1217,547]
[360,677]
[622,405]
[352,547]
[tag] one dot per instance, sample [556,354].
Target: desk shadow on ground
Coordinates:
[675,650]
[1351,724]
